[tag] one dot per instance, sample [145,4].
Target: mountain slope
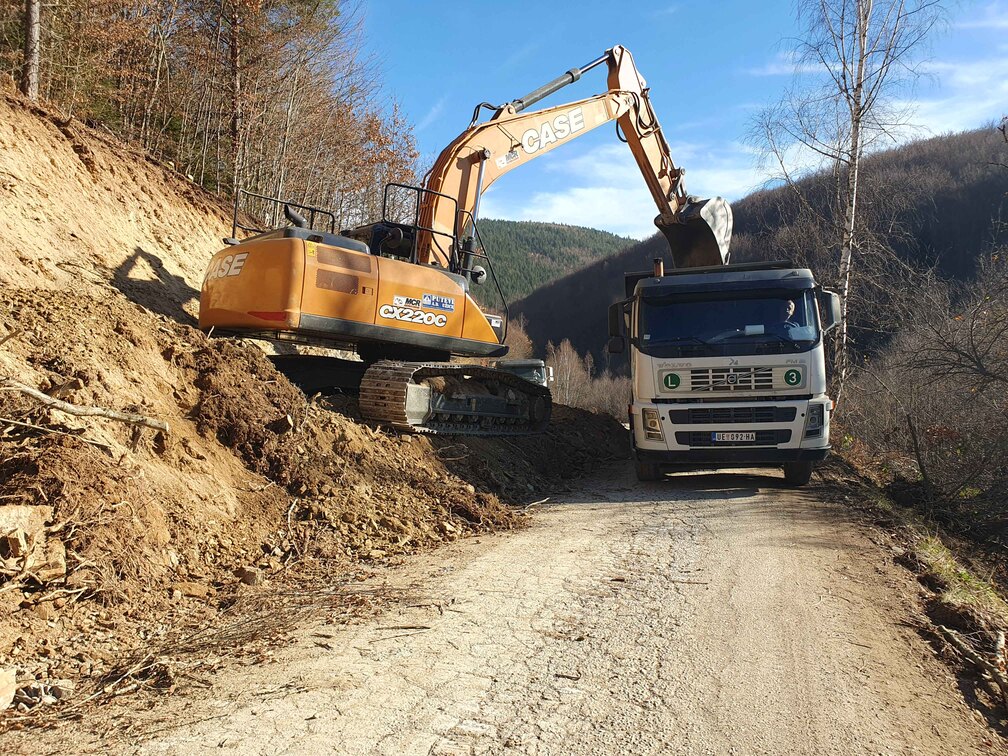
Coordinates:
[939,201]
[528,254]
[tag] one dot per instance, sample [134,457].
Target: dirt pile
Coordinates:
[118,535]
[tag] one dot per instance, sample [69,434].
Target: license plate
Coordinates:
[733,436]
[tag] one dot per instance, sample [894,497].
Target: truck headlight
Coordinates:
[652,425]
[814,420]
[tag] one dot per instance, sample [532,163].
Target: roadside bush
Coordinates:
[936,399]
[576,384]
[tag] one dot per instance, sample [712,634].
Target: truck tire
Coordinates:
[647,471]
[797,473]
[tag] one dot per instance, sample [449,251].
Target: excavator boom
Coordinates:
[698,231]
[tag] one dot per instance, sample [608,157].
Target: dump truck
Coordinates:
[728,367]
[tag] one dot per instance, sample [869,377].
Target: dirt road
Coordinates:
[712,615]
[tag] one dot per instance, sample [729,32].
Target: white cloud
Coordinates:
[993,16]
[432,115]
[606,189]
[783,64]
[519,55]
[970,94]
[669,10]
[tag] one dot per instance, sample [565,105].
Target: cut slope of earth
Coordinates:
[145,531]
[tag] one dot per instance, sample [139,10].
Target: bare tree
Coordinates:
[519,344]
[572,373]
[852,61]
[32,35]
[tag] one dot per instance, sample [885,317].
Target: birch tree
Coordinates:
[855,62]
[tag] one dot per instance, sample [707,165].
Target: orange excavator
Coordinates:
[410,291]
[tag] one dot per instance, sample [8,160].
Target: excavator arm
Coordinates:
[698,231]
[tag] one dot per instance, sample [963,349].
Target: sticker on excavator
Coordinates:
[438,302]
[409,315]
[507,159]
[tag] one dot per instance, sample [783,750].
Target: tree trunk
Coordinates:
[32,30]
[236,101]
[855,103]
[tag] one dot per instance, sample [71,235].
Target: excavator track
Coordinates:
[452,398]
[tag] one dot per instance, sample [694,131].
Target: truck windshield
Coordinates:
[740,322]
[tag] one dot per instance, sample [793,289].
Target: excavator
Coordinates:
[404,292]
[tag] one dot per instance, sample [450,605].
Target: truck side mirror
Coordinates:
[616,320]
[616,345]
[829,306]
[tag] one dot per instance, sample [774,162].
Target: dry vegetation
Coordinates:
[272,97]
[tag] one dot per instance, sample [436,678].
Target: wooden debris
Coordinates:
[992,679]
[85,411]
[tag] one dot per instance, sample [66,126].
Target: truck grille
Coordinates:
[732,415]
[703,438]
[731,379]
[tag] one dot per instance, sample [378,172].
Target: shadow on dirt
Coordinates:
[166,293]
[734,485]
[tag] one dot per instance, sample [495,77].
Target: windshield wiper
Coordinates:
[680,339]
[782,339]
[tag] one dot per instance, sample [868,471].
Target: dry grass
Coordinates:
[960,587]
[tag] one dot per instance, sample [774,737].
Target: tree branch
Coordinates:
[85,411]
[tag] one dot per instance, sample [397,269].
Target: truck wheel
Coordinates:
[797,473]
[647,471]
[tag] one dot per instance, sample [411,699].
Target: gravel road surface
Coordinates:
[717,614]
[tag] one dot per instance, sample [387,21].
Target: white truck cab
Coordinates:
[727,367]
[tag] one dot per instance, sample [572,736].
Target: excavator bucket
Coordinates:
[700,235]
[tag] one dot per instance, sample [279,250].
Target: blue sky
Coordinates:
[710,66]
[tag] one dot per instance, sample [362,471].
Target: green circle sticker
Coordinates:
[792,377]
[671,381]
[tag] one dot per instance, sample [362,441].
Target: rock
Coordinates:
[28,519]
[392,523]
[62,689]
[249,575]
[8,687]
[192,589]
[44,611]
[23,537]
[14,545]
[54,565]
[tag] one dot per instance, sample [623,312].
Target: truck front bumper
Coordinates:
[686,440]
[736,457]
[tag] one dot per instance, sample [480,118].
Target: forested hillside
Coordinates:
[527,254]
[273,97]
[939,203]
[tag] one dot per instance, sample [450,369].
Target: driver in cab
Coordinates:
[784,323]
